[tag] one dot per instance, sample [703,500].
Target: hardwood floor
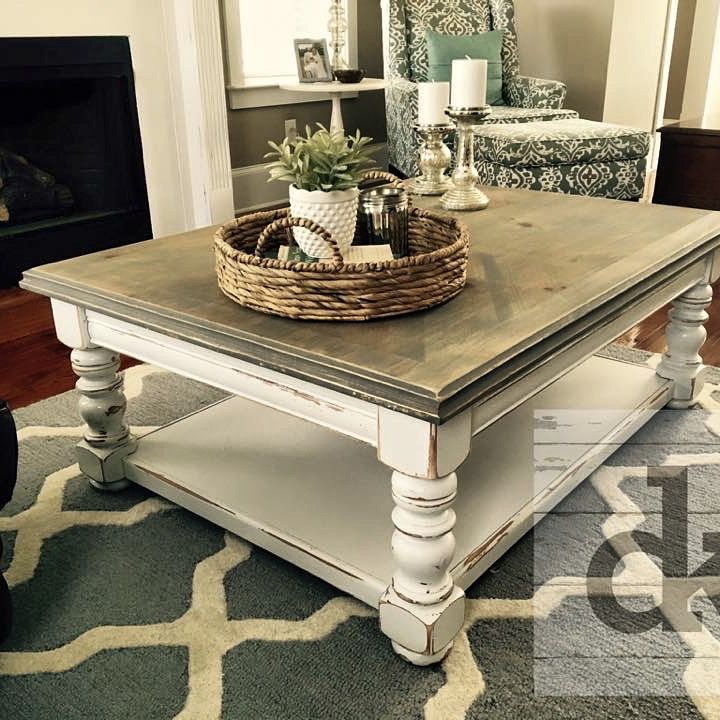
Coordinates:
[34,365]
[650,334]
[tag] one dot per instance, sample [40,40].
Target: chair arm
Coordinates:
[8,454]
[529,92]
[401,108]
[404,93]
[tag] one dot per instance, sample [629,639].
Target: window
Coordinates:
[259,36]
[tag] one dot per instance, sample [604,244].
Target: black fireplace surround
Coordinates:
[69,109]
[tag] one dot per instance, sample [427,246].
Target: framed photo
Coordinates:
[312,60]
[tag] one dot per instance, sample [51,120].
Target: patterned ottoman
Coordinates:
[573,156]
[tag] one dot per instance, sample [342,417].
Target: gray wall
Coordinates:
[251,129]
[568,40]
[679,59]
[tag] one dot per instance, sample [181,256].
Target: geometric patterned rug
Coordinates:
[127,606]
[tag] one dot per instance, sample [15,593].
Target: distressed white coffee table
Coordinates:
[444,398]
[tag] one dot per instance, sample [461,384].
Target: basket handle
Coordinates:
[372,175]
[288,222]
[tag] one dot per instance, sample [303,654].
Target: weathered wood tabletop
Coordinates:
[540,263]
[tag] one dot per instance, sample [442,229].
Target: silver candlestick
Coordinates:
[435,159]
[465,193]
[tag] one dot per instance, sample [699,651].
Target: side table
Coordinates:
[688,171]
[336,91]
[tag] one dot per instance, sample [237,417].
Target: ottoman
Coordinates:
[574,156]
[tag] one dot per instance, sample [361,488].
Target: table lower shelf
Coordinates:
[322,500]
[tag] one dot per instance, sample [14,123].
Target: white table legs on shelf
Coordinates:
[685,336]
[106,436]
[422,610]
[330,511]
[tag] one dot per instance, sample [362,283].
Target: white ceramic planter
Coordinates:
[336,211]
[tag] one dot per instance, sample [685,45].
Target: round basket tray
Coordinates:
[434,271]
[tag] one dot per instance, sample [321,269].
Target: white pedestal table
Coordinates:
[336,90]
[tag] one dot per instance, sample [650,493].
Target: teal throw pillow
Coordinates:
[443,49]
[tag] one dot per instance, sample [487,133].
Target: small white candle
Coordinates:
[433,98]
[469,83]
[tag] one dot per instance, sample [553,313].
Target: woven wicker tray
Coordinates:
[434,271]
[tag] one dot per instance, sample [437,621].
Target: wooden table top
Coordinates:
[708,125]
[335,86]
[540,263]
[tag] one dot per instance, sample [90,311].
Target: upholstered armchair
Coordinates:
[8,476]
[405,54]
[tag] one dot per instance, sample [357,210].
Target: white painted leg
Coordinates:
[336,118]
[685,336]
[102,404]
[422,610]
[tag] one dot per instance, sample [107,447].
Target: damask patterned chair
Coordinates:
[405,53]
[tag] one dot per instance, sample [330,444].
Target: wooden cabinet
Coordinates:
[688,171]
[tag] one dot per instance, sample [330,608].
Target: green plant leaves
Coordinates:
[322,160]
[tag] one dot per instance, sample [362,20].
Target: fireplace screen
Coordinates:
[27,193]
[71,166]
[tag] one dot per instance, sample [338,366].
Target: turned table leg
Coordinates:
[102,404]
[685,335]
[336,118]
[422,610]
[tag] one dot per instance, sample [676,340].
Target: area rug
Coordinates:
[129,607]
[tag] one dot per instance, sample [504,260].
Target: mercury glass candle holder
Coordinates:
[465,193]
[435,158]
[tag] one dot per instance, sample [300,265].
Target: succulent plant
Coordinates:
[322,160]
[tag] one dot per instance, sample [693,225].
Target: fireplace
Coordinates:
[69,110]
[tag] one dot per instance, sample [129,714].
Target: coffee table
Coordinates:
[445,399]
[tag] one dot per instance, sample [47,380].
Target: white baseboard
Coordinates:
[251,191]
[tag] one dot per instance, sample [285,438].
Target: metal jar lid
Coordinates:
[383,198]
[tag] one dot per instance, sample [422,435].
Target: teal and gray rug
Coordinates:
[129,607]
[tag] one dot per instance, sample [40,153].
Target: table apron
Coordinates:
[529,380]
[343,413]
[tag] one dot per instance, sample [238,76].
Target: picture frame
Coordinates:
[313,60]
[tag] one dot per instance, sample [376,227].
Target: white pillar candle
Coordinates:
[433,98]
[469,83]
